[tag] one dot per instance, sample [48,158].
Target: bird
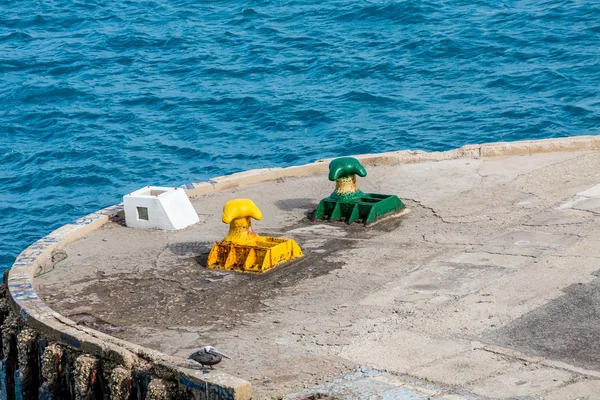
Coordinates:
[207,355]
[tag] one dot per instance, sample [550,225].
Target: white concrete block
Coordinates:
[156,207]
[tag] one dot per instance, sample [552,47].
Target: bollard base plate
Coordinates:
[366,209]
[267,254]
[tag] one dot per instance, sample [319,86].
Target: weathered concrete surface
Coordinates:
[491,249]
[366,383]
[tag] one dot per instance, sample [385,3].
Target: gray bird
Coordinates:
[207,355]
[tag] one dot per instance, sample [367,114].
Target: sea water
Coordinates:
[101,97]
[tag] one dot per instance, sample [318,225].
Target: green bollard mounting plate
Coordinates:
[368,208]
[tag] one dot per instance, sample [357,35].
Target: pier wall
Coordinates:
[46,355]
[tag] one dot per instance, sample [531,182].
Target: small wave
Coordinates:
[127,41]
[188,153]
[366,97]
[311,114]
[16,36]
[269,31]
[67,69]
[243,101]
[249,12]
[41,95]
[38,20]
[147,99]
[406,12]
[577,110]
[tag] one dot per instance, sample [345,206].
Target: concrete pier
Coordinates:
[486,289]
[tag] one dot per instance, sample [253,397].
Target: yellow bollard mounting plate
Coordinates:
[266,254]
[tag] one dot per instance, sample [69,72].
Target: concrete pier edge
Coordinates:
[25,305]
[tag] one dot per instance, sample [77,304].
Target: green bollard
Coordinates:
[348,203]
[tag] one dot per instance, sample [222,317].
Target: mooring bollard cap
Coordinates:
[240,208]
[345,166]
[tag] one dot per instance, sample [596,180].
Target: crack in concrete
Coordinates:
[516,355]
[586,211]
[503,254]
[433,211]
[431,241]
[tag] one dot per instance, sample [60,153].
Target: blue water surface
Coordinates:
[98,98]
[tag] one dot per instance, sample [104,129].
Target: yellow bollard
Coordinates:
[237,214]
[245,251]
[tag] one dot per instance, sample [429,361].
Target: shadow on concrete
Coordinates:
[565,329]
[297,204]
